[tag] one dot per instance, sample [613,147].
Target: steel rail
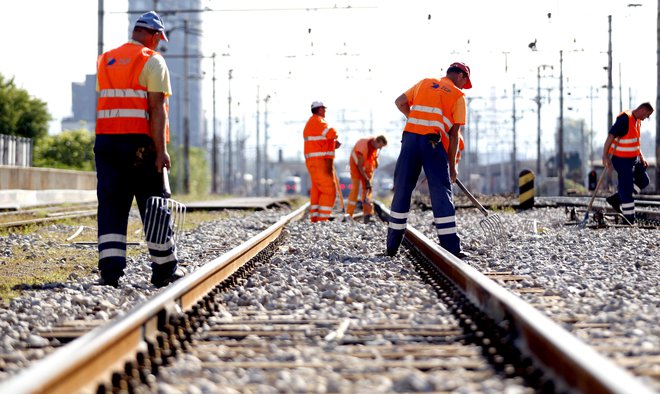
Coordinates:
[50,219]
[575,364]
[84,363]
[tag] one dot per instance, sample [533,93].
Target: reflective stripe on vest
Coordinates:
[122,113]
[123,93]
[319,139]
[123,105]
[629,144]
[431,106]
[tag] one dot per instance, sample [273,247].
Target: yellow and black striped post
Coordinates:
[526,189]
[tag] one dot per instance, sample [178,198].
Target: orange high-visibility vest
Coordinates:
[431,110]
[629,145]
[123,106]
[368,155]
[319,139]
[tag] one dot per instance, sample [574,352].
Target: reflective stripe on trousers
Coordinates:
[125,170]
[323,192]
[417,153]
[632,178]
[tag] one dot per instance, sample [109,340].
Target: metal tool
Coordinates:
[492,224]
[338,190]
[164,217]
[584,221]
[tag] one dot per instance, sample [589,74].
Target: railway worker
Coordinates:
[364,161]
[132,132]
[435,111]
[624,144]
[320,144]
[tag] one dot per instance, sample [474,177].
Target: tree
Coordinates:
[20,114]
[72,150]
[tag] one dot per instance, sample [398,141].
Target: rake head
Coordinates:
[493,228]
[163,220]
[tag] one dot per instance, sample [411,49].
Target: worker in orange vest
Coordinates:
[364,161]
[320,144]
[627,159]
[130,149]
[435,111]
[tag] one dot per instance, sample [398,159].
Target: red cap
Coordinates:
[466,70]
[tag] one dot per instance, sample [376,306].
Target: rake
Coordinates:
[492,224]
[584,221]
[164,217]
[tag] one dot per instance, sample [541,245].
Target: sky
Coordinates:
[358,56]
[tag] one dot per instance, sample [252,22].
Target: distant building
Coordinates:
[83,103]
[84,94]
[174,52]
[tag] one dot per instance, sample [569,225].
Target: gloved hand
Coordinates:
[367,185]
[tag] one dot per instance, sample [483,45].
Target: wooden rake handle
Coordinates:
[602,176]
[167,192]
[471,197]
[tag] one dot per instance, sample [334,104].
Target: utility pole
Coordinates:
[266,184]
[100,30]
[657,107]
[560,166]
[186,118]
[591,125]
[609,72]
[258,169]
[620,91]
[514,169]
[230,170]
[538,121]
[214,149]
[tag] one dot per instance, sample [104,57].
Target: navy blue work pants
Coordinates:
[632,178]
[418,152]
[125,169]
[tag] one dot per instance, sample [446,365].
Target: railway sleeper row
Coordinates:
[490,346]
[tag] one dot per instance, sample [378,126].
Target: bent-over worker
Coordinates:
[364,161]
[627,159]
[435,110]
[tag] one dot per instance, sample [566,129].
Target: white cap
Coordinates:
[317,104]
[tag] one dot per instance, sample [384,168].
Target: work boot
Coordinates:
[114,282]
[367,219]
[160,281]
[615,201]
[461,254]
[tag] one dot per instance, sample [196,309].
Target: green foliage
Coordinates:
[20,114]
[72,150]
[198,171]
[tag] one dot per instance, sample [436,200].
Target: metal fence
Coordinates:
[16,151]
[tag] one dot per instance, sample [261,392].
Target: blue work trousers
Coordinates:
[125,168]
[417,152]
[632,178]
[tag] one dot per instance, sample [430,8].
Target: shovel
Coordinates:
[164,217]
[492,224]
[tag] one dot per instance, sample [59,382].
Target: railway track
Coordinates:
[480,323]
[45,214]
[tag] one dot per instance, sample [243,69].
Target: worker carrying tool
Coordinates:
[320,144]
[627,159]
[364,161]
[130,150]
[435,111]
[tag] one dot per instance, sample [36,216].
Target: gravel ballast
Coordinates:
[605,277]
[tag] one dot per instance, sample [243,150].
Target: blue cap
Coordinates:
[151,20]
